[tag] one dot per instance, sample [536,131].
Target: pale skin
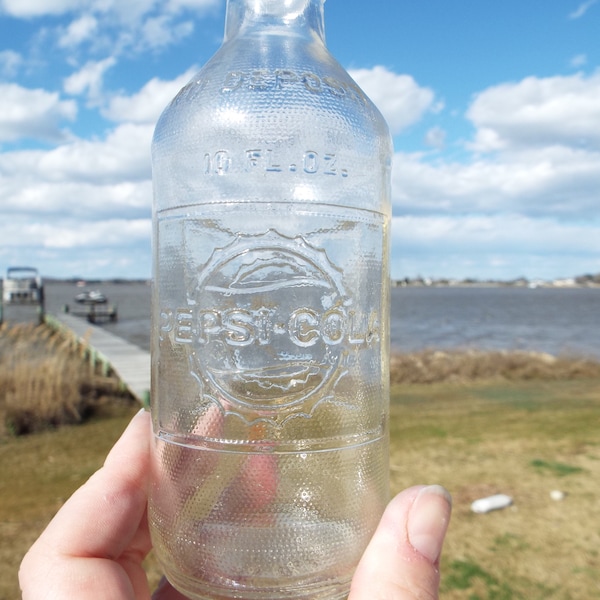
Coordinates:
[94,547]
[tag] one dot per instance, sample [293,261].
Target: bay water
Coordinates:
[559,321]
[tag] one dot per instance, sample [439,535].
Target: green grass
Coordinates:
[466,575]
[554,468]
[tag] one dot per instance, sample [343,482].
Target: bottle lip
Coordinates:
[285,9]
[292,14]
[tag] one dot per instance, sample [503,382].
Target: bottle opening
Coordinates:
[307,13]
[288,9]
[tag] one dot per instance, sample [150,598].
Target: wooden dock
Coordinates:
[93,313]
[130,363]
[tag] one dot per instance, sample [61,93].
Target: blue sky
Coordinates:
[494,108]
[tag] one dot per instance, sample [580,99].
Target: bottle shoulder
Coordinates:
[282,120]
[285,84]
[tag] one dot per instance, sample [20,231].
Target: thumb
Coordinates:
[402,560]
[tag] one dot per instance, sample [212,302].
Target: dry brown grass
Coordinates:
[47,380]
[435,366]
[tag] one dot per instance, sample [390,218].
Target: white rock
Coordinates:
[557,495]
[484,505]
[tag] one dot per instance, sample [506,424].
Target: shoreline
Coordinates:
[585,281]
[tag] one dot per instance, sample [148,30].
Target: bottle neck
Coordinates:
[292,17]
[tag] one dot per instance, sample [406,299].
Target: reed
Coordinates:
[49,378]
[46,380]
[455,366]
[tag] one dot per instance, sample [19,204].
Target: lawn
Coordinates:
[524,439]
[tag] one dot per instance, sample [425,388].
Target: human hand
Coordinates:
[94,547]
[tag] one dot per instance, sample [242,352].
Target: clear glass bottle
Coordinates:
[270,316]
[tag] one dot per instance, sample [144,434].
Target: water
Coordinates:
[557,321]
[553,320]
[276,525]
[132,300]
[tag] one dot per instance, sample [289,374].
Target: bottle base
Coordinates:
[195,590]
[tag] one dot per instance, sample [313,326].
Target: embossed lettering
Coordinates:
[239,328]
[260,80]
[333,327]
[305,327]
[312,82]
[272,160]
[311,162]
[285,77]
[218,163]
[183,327]
[233,81]
[209,323]
[253,157]
[264,79]
[165,323]
[330,161]
[271,164]
[337,88]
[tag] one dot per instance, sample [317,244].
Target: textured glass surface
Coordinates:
[270,316]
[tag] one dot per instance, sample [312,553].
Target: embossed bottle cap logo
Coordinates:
[271,319]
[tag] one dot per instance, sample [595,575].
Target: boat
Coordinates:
[94,306]
[91,297]
[23,285]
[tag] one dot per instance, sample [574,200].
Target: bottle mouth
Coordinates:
[281,8]
[306,13]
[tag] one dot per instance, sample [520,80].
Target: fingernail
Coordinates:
[139,413]
[428,521]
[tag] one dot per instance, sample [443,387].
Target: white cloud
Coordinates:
[527,199]
[399,97]
[67,247]
[497,233]
[84,195]
[201,5]
[493,247]
[162,31]
[103,234]
[129,10]
[10,61]
[146,105]
[32,113]
[36,8]
[47,202]
[578,61]
[435,138]
[546,181]
[538,111]
[90,79]
[123,156]
[114,25]
[582,9]
[69,233]
[78,31]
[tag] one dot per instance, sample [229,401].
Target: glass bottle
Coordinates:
[270,339]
